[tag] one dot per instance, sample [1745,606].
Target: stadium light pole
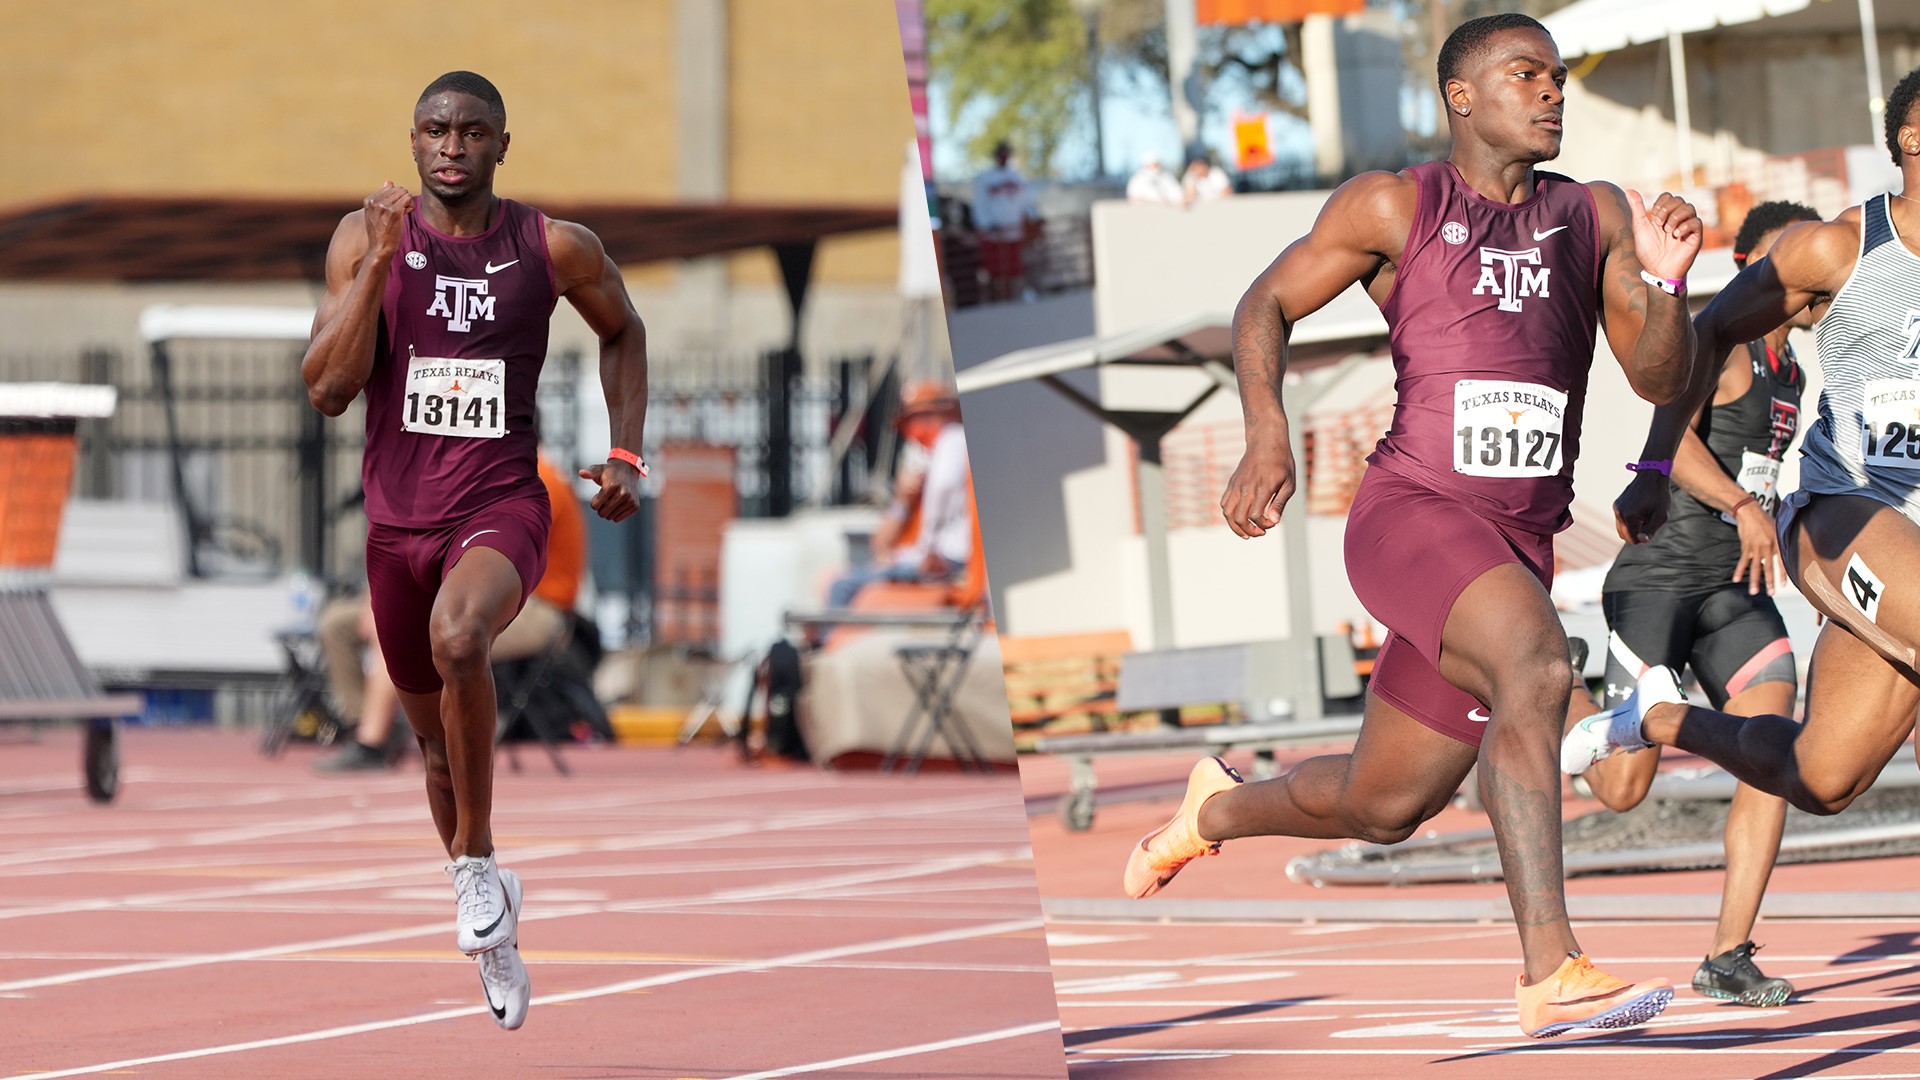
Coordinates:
[1870,44]
[1090,14]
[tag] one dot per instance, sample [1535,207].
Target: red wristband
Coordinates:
[628,456]
[1741,503]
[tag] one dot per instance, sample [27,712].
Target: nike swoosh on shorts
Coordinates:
[492,268]
[463,544]
[1478,717]
[1537,235]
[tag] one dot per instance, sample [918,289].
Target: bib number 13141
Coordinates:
[463,398]
[1507,429]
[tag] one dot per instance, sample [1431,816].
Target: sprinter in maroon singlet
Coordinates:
[437,308]
[1492,277]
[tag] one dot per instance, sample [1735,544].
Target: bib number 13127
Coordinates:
[1507,429]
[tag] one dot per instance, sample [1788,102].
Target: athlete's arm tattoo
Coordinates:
[1260,358]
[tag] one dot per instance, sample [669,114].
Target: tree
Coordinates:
[1023,63]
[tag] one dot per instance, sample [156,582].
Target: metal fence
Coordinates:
[265,484]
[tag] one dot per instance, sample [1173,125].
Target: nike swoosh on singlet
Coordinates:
[1537,235]
[1476,715]
[463,544]
[491,268]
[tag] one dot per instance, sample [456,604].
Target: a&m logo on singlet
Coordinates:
[461,300]
[1511,276]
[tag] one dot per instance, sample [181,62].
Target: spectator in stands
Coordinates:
[1003,213]
[1203,182]
[1152,184]
[927,535]
[366,691]
[361,687]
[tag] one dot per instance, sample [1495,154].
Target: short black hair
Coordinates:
[1899,104]
[1765,218]
[1471,36]
[466,82]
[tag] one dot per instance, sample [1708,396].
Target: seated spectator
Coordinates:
[360,687]
[928,532]
[1203,182]
[1151,184]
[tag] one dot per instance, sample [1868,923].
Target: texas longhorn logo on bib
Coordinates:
[1890,418]
[1760,478]
[1508,429]
[465,398]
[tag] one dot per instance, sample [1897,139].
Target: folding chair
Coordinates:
[517,681]
[935,671]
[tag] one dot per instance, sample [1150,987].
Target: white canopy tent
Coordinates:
[1591,27]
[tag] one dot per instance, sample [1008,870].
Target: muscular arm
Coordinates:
[1804,267]
[592,284]
[1648,330]
[1361,229]
[1695,469]
[339,357]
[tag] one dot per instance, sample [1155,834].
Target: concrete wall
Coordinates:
[227,98]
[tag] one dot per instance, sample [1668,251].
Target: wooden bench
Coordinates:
[1251,677]
[1058,675]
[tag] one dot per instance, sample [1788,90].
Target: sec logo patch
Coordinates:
[1453,233]
[416,260]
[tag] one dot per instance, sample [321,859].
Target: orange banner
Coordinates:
[1237,12]
[1251,148]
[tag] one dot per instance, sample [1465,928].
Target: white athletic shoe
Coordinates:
[503,977]
[487,920]
[1604,734]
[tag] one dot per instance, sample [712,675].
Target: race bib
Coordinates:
[1890,417]
[1503,428]
[466,398]
[1759,477]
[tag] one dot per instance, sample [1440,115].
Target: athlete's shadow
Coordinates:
[1254,1008]
[1879,946]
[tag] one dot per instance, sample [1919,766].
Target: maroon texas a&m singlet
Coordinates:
[1491,322]
[463,335]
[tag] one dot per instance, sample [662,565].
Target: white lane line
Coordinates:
[906,1051]
[380,876]
[1587,1047]
[812,956]
[801,887]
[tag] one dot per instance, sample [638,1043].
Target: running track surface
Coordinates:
[686,917]
[1333,993]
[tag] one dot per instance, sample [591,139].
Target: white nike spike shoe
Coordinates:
[503,977]
[487,920]
[1604,734]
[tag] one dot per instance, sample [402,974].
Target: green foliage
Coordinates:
[1025,59]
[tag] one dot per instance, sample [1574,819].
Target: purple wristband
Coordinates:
[1664,468]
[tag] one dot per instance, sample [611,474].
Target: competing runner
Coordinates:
[1701,593]
[1848,536]
[1491,276]
[437,308]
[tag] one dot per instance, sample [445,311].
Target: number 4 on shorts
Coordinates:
[1863,588]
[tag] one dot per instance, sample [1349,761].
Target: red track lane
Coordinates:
[686,917]
[1338,996]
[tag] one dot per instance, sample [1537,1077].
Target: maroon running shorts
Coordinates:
[1001,259]
[406,566]
[1410,553]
